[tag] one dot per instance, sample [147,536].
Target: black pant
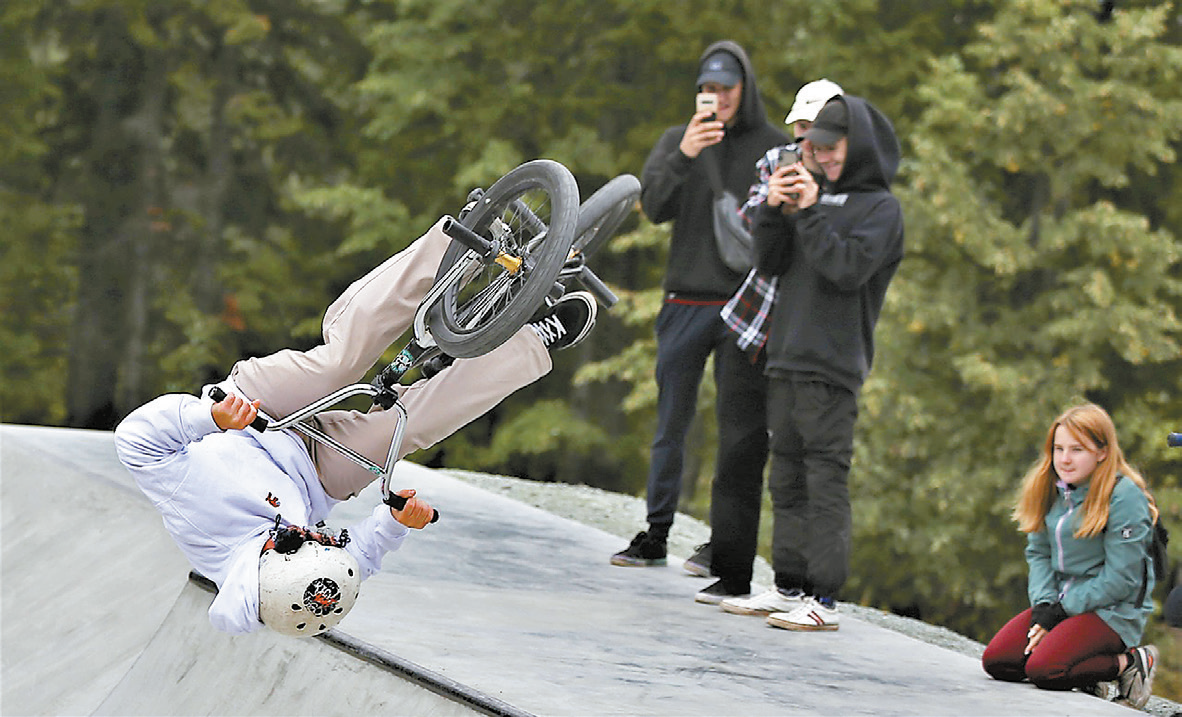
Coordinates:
[686,336]
[812,442]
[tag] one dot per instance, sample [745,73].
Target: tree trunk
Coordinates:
[109,191]
[207,291]
[145,229]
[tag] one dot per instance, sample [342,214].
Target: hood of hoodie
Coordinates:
[872,155]
[751,111]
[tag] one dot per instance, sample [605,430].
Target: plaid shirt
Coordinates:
[747,312]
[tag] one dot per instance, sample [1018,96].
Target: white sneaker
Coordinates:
[810,616]
[773,600]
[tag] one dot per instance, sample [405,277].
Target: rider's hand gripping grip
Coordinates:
[218,395]
[397,502]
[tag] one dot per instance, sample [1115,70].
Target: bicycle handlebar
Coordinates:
[218,395]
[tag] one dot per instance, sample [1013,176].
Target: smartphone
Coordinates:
[708,101]
[789,156]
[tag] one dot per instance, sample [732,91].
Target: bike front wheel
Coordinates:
[531,213]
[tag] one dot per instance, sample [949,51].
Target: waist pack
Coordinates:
[734,242]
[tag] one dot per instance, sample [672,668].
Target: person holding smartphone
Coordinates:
[724,137]
[834,242]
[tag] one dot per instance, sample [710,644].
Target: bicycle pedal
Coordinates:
[556,292]
[470,203]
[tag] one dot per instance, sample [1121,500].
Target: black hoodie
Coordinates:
[678,188]
[835,259]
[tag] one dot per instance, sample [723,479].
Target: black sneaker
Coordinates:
[717,592]
[1136,682]
[567,322]
[699,563]
[645,551]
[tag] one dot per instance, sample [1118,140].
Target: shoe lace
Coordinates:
[549,329]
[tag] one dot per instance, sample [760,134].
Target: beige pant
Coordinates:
[359,326]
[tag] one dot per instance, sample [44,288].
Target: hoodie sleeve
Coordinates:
[663,176]
[235,609]
[372,538]
[774,235]
[152,440]
[851,259]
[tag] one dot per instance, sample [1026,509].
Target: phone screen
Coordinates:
[787,157]
[707,101]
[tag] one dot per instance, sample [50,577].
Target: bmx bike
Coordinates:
[515,248]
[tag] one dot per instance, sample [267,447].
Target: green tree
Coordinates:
[37,277]
[180,130]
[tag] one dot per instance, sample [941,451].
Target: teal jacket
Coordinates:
[1110,574]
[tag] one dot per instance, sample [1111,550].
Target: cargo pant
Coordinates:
[358,328]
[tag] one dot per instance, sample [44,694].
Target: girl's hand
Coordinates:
[1036,634]
[234,413]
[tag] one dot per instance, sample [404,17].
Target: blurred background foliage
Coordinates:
[184,183]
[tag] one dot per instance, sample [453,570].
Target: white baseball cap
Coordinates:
[811,98]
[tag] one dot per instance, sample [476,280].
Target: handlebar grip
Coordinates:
[218,395]
[1174,440]
[468,238]
[397,502]
[595,285]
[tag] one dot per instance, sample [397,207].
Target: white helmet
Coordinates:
[305,592]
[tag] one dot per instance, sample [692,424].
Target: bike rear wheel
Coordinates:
[531,212]
[603,212]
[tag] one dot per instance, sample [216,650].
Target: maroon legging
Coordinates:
[1080,651]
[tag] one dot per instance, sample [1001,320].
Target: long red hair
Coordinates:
[1088,423]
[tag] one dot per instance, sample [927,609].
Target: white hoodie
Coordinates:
[220,491]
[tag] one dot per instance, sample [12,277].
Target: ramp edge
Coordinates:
[429,680]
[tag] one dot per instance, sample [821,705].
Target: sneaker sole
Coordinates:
[797,627]
[1143,686]
[737,610]
[715,599]
[696,569]
[638,562]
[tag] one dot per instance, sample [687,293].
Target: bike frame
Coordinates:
[420,348]
[382,390]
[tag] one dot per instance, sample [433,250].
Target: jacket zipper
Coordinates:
[1059,540]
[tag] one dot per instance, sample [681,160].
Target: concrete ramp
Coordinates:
[98,614]
[87,570]
[189,668]
[499,608]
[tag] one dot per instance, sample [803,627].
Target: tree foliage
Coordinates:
[1030,283]
[186,183]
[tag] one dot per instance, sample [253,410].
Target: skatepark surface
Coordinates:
[500,608]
